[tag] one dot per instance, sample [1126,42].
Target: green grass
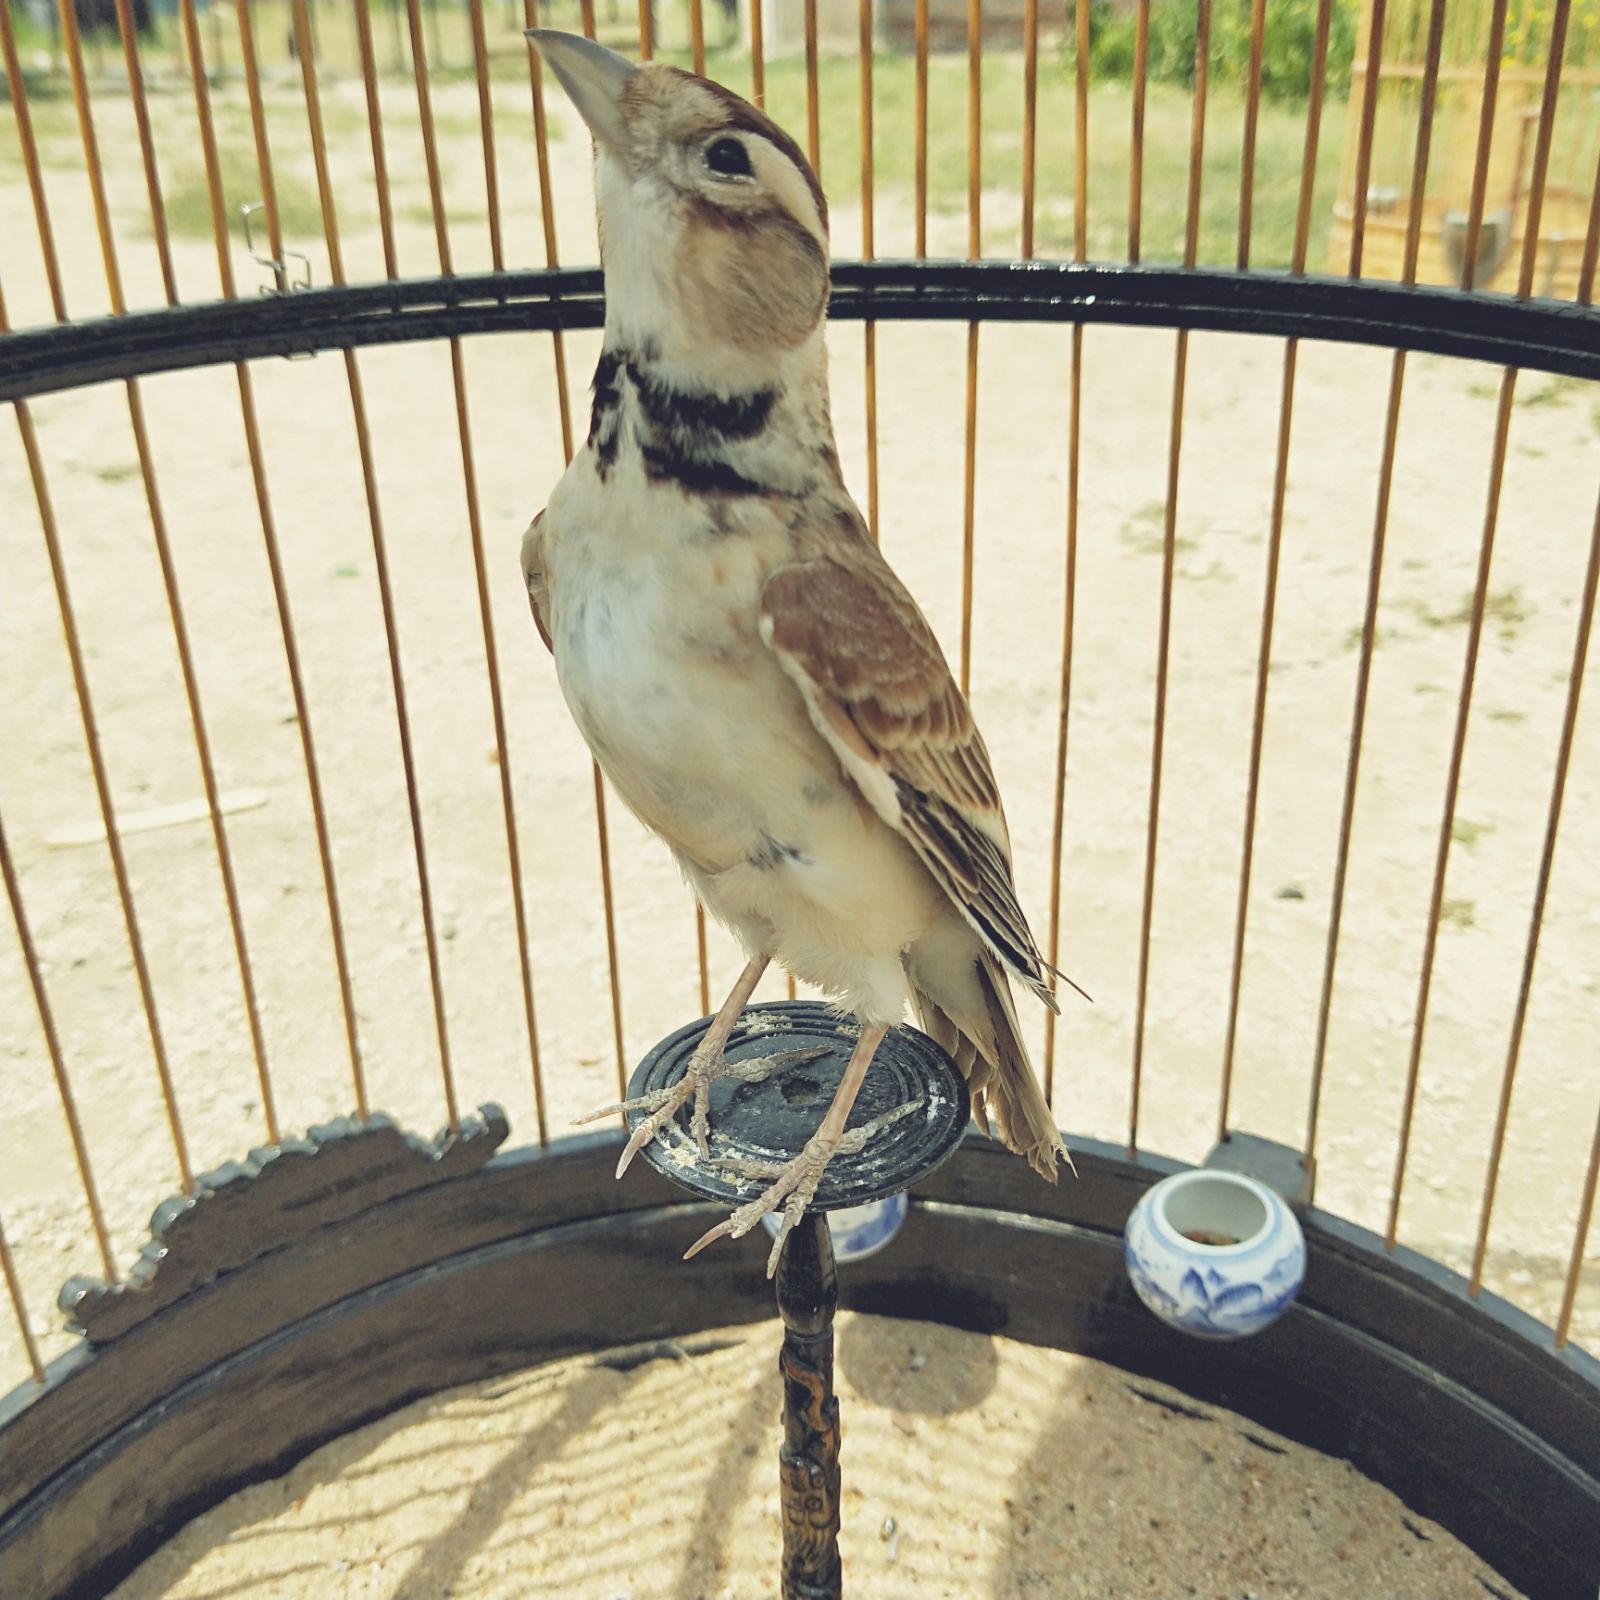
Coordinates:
[1554,391]
[1145,532]
[188,198]
[1163,209]
[1163,201]
[1381,636]
[1507,609]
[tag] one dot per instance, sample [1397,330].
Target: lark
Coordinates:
[757,684]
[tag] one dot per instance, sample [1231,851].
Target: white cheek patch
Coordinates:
[780,177]
[633,213]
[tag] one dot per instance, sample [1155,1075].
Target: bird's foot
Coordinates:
[704,1069]
[795,1182]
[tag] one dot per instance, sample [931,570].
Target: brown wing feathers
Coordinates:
[852,636]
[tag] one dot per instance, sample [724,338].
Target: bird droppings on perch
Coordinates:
[582,1474]
[765,1022]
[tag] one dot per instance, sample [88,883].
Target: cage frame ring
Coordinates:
[1557,337]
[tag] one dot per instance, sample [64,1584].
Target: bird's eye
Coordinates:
[728,158]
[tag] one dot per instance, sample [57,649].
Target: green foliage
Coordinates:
[1286,46]
[188,195]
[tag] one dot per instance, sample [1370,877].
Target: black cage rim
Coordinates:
[1551,336]
[1452,1402]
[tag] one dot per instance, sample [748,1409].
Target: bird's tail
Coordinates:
[999,1071]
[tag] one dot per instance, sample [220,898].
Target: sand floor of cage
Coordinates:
[973,1466]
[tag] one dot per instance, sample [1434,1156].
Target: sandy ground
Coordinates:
[971,1466]
[1437,517]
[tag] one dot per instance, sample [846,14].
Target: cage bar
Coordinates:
[1141,73]
[91,734]
[47,521]
[147,149]
[175,612]
[974,251]
[208,777]
[547,216]
[1558,784]
[206,127]
[1480,173]
[30,163]
[1169,537]
[58,1064]
[252,433]
[1369,114]
[758,57]
[813,107]
[1308,160]
[19,1308]
[868,250]
[1580,1239]
[921,15]
[1252,110]
[369,481]
[1480,591]
[73,43]
[1591,243]
[1280,480]
[1058,806]
[258,125]
[480,571]
[1369,620]
[491,177]
[380,163]
[1530,245]
[1030,117]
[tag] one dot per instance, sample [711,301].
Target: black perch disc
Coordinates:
[771,1121]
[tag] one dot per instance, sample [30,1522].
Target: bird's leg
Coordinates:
[796,1181]
[706,1065]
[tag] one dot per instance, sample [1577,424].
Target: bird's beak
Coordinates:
[593,76]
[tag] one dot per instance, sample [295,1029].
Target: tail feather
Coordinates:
[995,1062]
[1027,1124]
[961,1049]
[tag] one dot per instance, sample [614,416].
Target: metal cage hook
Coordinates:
[279,269]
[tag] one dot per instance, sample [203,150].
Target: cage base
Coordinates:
[1458,1405]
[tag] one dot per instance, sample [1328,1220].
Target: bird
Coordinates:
[754,680]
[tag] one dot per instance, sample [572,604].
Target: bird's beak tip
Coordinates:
[594,77]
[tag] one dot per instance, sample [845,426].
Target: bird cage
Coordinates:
[1467,107]
[1268,564]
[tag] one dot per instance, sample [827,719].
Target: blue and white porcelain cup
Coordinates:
[1215,1254]
[859,1231]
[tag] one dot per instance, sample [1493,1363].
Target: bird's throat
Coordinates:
[759,438]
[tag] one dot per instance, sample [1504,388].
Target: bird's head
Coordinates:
[713,227]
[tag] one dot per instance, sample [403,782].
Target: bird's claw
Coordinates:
[662,1105]
[795,1182]
[794,1186]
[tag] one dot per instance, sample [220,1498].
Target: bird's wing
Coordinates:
[879,690]
[533,575]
